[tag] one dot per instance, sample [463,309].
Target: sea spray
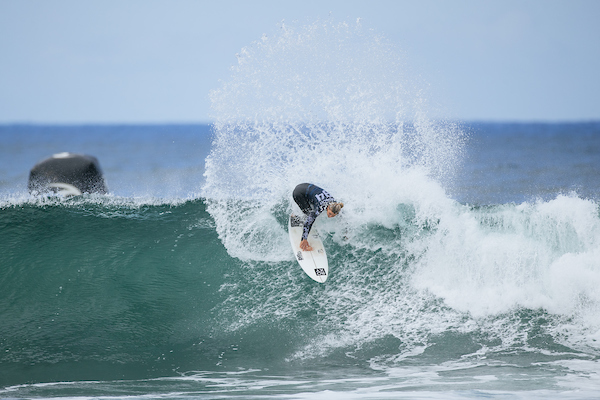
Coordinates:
[333,104]
[328,103]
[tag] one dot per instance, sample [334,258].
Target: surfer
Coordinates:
[313,200]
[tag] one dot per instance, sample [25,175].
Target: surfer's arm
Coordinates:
[308,223]
[310,220]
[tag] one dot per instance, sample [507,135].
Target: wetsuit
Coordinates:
[312,200]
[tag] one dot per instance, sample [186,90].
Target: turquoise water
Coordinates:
[111,297]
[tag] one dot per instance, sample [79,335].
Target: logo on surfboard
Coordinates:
[299,256]
[320,271]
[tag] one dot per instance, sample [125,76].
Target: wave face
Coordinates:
[200,296]
[107,289]
[95,289]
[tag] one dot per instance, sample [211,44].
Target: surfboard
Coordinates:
[313,263]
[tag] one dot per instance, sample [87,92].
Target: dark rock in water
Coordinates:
[67,174]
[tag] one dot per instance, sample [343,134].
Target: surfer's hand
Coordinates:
[305,246]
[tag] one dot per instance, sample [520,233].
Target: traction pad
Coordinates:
[296,221]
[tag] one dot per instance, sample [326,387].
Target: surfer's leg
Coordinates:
[301,199]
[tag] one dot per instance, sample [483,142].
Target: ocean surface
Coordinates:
[465,263]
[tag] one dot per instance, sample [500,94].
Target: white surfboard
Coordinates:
[314,262]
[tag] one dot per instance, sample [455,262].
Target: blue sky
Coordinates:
[145,61]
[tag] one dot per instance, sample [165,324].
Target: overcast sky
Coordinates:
[144,61]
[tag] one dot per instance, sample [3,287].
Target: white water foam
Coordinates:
[474,273]
[324,103]
[544,255]
[331,104]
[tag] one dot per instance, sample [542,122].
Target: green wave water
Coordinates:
[114,297]
[105,292]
